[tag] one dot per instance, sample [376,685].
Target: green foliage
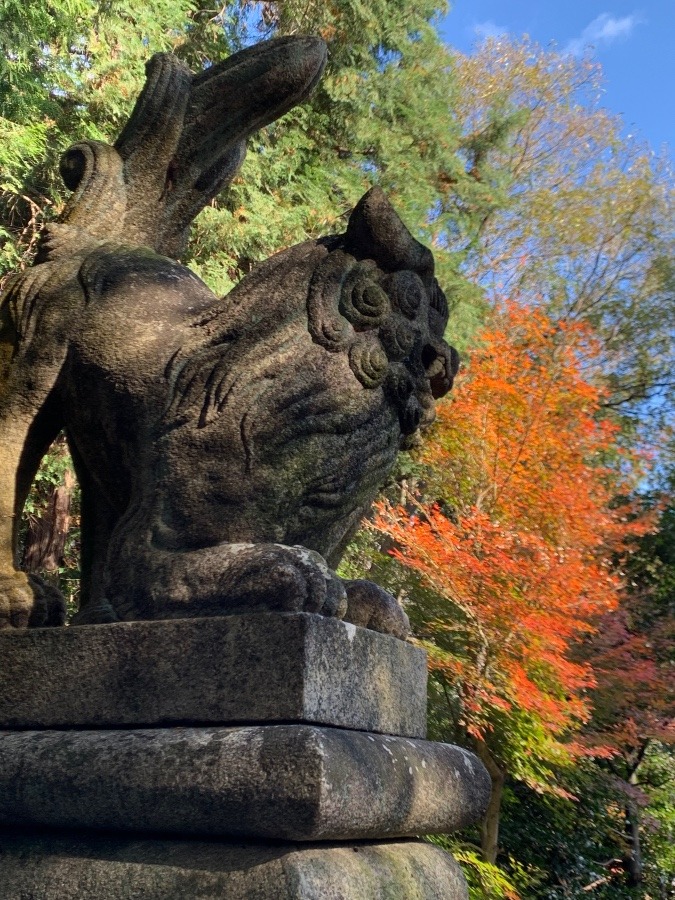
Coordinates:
[652,566]
[570,845]
[567,842]
[485,881]
[53,471]
[49,476]
[657,780]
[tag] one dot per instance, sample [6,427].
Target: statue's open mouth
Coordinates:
[441,363]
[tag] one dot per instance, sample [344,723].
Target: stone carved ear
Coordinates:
[116,189]
[376,232]
[149,143]
[150,138]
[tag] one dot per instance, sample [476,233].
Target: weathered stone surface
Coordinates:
[86,867]
[227,449]
[285,782]
[262,667]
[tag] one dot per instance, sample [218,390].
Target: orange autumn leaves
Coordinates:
[517,538]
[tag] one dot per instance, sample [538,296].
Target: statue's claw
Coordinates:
[370,606]
[287,579]
[97,613]
[226,579]
[26,600]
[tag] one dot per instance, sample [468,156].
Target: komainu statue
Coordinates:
[227,449]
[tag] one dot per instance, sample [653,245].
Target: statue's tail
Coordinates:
[185,140]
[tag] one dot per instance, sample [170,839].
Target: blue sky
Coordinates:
[634,43]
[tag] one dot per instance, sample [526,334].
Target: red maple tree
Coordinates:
[517,545]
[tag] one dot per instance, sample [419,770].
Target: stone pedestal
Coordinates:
[262,667]
[39,866]
[136,757]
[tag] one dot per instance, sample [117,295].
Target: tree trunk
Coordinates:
[633,859]
[46,538]
[490,826]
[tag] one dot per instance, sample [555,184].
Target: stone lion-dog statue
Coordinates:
[226,449]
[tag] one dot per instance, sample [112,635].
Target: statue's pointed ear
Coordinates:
[376,232]
[150,138]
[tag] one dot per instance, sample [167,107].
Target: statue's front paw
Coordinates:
[97,612]
[287,579]
[370,606]
[26,600]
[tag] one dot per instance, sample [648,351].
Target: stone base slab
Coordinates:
[262,667]
[84,867]
[284,782]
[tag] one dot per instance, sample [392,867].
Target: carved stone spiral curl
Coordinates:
[326,325]
[362,300]
[406,292]
[368,361]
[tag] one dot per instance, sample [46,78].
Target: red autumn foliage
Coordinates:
[634,698]
[520,537]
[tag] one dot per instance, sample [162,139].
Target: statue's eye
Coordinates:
[369,299]
[398,337]
[410,300]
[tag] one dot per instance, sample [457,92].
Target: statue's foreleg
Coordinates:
[97,523]
[24,439]
[224,579]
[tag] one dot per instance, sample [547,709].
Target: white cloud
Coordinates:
[602,32]
[489,29]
